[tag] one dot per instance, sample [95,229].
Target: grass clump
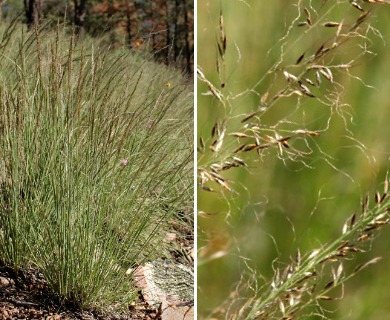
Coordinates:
[275,119]
[95,160]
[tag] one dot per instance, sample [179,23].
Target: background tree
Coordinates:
[2,2]
[34,11]
[163,28]
[80,12]
[188,33]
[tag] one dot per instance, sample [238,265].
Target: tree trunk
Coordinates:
[168,42]
[128,24]
[39,11]
[187,40]
[80,12]
[33,10]
[2,2]
[176,34]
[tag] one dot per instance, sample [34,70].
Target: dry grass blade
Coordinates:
[222,36]
[365,265]
[250,116]
[357,6]
[213,90]
[360,20]
[301,57]
[331,24]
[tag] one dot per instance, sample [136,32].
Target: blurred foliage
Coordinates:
[283,205]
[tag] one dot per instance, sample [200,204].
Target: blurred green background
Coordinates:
[281,206]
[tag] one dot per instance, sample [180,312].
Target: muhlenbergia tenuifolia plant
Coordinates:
[95,160]
[280,117]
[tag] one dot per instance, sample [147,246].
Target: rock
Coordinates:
[169,287]
[172,312]
[5,282]
[4,313]
[192,253]
[170,237]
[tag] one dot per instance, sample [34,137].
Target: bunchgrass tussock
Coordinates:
[264,111]
[95,161]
